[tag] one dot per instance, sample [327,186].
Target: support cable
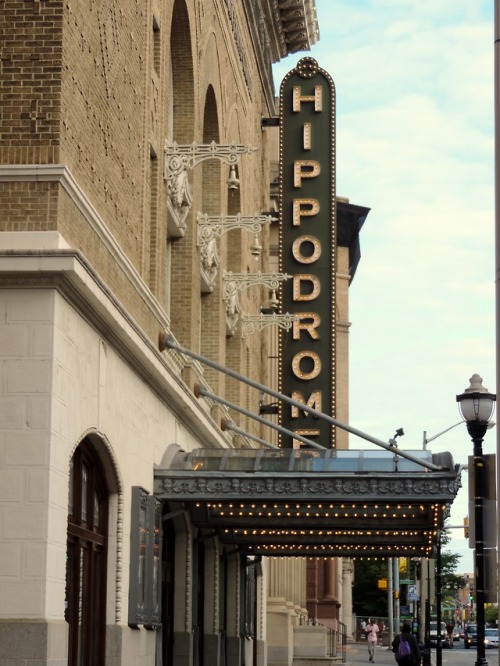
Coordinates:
[200,390]
[168,341]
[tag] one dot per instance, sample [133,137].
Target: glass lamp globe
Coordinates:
[476,403]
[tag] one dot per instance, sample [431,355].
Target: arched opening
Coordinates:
[86,561]
[212,314]
[181,253]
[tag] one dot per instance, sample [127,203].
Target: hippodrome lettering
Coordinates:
[308,250]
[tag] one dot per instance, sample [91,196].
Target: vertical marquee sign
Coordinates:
[308,249]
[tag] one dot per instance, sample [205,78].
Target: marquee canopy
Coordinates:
[312,503]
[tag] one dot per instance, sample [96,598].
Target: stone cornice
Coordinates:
[59,173]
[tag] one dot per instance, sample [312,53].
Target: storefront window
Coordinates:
[86,558]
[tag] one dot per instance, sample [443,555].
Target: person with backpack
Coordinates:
[405,647]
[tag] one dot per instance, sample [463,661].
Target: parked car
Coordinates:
[470,636]
[433,635]
[491,638]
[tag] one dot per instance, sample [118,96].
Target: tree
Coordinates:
[491,615]
[449,564]
[367,599]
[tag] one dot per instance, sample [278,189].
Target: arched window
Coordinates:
[86,558]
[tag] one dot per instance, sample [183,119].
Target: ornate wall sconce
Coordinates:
[255,323]
[181,158]
[211,227]
[236,282]
[184,157]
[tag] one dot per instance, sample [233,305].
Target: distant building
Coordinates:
[465,599]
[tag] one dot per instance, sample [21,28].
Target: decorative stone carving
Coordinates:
[233,307]
[209,258]
[179,203]
[311,487]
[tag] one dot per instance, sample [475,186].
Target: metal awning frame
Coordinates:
[167,341]
[325,513]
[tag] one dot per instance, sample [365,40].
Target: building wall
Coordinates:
[98,274]
[93,269]
[61,380]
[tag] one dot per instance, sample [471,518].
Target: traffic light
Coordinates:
[471,600]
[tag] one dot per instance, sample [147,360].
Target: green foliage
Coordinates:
[491,615]
[449,564]
[367,599]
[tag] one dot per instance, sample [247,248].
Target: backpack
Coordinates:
[404,649]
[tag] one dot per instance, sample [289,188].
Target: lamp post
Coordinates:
[476,405]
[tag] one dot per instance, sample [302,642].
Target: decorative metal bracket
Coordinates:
[179,159]
[256,323]
[183,157]
[213,226]
[235,282]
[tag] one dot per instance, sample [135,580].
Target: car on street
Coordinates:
[470,636]
[433,635]
[457,635]
[491,638]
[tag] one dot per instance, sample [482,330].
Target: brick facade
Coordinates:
[94,266]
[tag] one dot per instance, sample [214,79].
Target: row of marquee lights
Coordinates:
[265,509]
[339,533]
[274,510]
[361,558]
[348,548]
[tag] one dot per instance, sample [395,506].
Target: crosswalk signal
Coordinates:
[466,527]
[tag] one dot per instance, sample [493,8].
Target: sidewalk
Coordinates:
[357,653]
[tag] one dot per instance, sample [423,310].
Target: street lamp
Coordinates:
[476,405]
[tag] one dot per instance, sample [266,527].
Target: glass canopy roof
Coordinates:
[293,460]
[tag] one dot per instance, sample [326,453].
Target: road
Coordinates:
[357,655]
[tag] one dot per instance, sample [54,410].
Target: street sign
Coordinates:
[412,593]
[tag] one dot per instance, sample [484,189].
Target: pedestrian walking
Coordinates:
[371,631]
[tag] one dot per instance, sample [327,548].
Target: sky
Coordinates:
[415,144]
